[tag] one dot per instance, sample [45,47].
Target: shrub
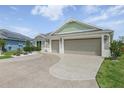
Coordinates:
[25,53]
[15,52]
[38,49]
[28,44]
[2,44]
[122,49]
[31,48]
[27,49]
[115,48]
[18,52]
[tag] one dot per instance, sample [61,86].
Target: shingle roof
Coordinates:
[6,34]
[41,35]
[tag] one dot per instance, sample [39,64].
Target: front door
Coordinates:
[39,44]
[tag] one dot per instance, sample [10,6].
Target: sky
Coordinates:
[33,20]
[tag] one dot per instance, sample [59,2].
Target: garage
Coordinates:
[83,46]
[55,46]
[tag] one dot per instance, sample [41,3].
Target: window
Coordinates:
[9,47]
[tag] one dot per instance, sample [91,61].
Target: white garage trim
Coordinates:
[61,45]
[50,46]
[104,52]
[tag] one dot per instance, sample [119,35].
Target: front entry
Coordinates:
[39,44]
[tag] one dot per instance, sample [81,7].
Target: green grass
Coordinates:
[10,53]
[5,57]
[7,54]
[111,73]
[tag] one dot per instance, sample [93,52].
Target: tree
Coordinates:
[121,38]
[2,44]
[115,48]
[28,44]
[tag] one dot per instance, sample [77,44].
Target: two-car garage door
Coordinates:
[83,46]
[79,46]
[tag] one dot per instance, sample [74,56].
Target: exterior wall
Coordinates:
[105,52]
[14,45]
[76,30]
[43,43]
[72,26]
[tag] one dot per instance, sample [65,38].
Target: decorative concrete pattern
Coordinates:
[76,67]
[33,72]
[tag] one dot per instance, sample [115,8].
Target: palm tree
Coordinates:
[2,43]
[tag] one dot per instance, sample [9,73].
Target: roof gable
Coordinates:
[5,34]
[40,37]
[72,25]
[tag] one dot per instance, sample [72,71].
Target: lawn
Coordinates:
[9,53]
[111,73]
[5,57]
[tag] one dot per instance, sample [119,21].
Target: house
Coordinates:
[75,37]
[13,40]
[40,40]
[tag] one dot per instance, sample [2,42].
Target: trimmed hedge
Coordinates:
[30,49]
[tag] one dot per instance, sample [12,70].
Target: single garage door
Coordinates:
[83,46]
[55,46]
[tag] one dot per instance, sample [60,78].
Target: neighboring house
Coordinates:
[13,40]
[40,40]
[76,37]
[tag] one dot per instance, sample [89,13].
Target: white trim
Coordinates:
[109,40]
[102,45]
[41,45]
[71,20]
[35,43]
[81,35]
[76,31]
[50,46]
[62,45]
[105,52]
[59,45]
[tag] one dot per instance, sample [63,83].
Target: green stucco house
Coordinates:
[75,37]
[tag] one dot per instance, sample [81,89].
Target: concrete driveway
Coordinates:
[33,71]
[76,67]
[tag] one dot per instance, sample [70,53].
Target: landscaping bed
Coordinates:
[111,73]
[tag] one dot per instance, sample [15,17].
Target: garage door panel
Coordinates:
[83,46]
[55,46]
[81,52]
